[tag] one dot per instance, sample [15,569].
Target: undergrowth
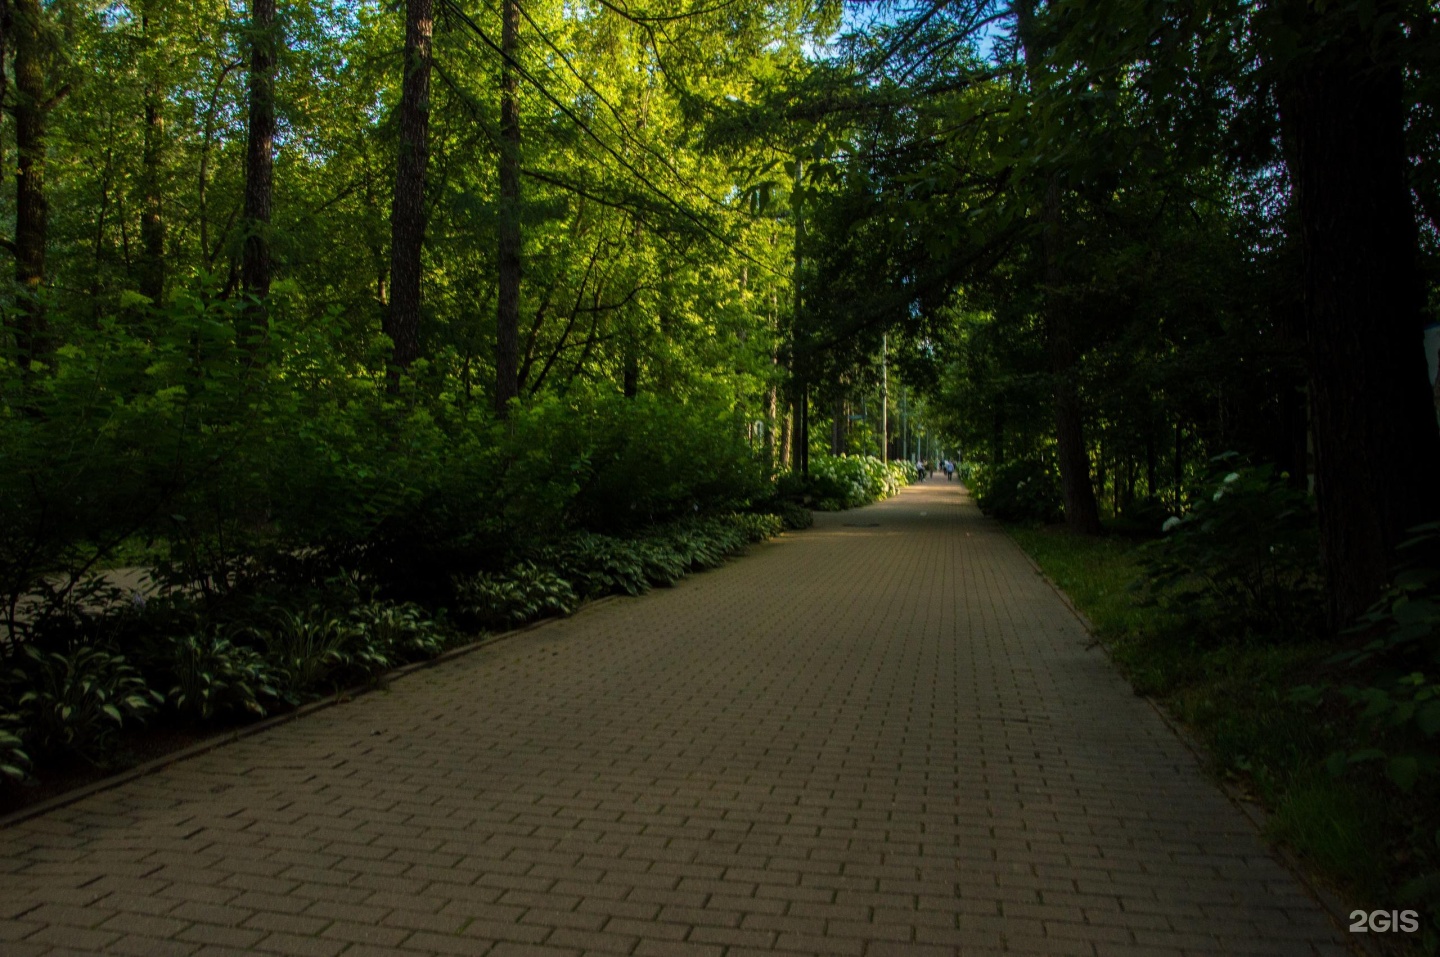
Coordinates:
[1238,696]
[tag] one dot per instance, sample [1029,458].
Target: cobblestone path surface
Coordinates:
[885,735]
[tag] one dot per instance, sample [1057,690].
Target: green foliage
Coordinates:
[1244,560]
[1265,730]
[1390,685]
[1022,490]
[309,650]
[522,594]
[14,762]
[793,515]
[405,632]
[72,703]
[599,565]
[213,676]
[848,481]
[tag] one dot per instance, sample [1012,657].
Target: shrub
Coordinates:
[306,651]
[1244,560]
[1389,687]
[848,481]
[1022,490]
[212,676]
[524,593]
[14,762]
[793,515]
[398,632]
[598,565]
[72,703]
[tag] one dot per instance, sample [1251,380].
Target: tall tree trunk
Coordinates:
[407,208]
[787,437]
[1377,454]
[997,434]
[772,426]
[255,268]
[630,385]
[1082,511]
[801,358]
[507,320]
[152,222]
[31,210]
[804,437]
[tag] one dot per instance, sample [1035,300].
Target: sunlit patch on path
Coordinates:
[885,735]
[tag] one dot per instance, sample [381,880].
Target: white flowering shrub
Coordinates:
[848,481]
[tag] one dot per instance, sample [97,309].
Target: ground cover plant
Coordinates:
[169,659]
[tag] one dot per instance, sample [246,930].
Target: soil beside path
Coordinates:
[885,735]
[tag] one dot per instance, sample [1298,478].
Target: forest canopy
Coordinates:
[297,275]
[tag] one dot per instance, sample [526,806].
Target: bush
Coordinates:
[794,516]
[400,632]
[72,703]
[524,593]
[1390,688]
[306,650]
[1244,561]
[212,676]
[14,762]
[847,481]
[1023,490]
[597,565]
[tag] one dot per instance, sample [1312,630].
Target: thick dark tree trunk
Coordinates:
[997,433]
[255,269]
[1377,453]
[31,210]
[1082,511]
[804,436]
[152,222]
[507,322]
[787,437]
[772,427]
[1150,466]
[407,208]
[630,386]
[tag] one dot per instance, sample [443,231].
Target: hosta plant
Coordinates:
[72,703]
[524,593]
[396,631]
[305,650]
[213,676]
[14,762]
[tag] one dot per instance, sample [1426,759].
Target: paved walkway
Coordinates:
[885,735]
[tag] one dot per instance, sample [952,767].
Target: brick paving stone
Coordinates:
[883,735]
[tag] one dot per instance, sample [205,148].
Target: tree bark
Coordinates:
[255,268]
[31,209]
[1082,511]
[507,320]
[407,207]
[152,222]
[1377,453]
[787,433]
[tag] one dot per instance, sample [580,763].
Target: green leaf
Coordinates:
[1427,718]
[1403,770]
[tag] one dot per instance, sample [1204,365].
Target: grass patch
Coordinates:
[1235,698]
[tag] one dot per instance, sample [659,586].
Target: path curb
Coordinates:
[147,768]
